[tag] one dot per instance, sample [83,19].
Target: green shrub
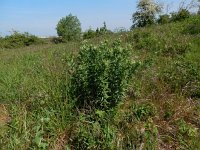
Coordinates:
[135,126]
[89,34]
[101,75]
[163,19]
[181,15]
[92,134]
[194,27]
[186,129]
[159,43]
[182,77]
[56,40]
[175,46]
[188,135]
[144,40]
[151,135]
[17,40]
[144,111]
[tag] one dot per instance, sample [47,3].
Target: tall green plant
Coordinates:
[101,75]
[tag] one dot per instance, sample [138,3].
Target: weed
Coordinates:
[101,75]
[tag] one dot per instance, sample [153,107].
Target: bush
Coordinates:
[159,43]
[17,40]
[89,34]
[182,77]
[56,40]
[163,19]
[101,75]
[144,111]
[93,132]
[145,40]
[181,15]
[69,28]
[194,27]
[186,129]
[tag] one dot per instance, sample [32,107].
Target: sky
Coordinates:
[40,17]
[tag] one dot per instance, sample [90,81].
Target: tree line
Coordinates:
[68,28]
[148,13]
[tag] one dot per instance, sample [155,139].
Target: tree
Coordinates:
[69,28]
[146,14]
[104,29]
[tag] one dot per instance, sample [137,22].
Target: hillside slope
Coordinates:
[161,109]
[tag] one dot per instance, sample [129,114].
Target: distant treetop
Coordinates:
[69,28]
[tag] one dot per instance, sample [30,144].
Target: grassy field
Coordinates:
[161,109]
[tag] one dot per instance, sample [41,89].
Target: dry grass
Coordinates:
[4,116]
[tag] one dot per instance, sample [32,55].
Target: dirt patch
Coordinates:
[61,141]
[4,116]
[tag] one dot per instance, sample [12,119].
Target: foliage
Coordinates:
[17,40]
[163,19]
[89,34]
[187,135]
[194,27]
[120,30]
[186,129]
[93,131]
[182,77]
[163,113]
[104,30]
[159,43]
[144,111]
[69,28]
[101,75]
[146,14]
[99,32]
[56,40]
[181,15]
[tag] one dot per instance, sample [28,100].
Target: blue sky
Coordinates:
[40,17]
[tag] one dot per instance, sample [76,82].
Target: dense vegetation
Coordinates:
[153,103]
[17,40]
[101,75]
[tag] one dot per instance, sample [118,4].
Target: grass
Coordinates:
[160,111]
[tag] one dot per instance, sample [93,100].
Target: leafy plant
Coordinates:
[163,19]
[150,135]
[186,129]
[89,34]
[188,135]
[182,77]
[181,15]
[101,75]
[194,27]
[93,132]
[39,140]
[17,40]
[144,111]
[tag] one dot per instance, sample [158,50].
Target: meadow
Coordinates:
[159,110]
